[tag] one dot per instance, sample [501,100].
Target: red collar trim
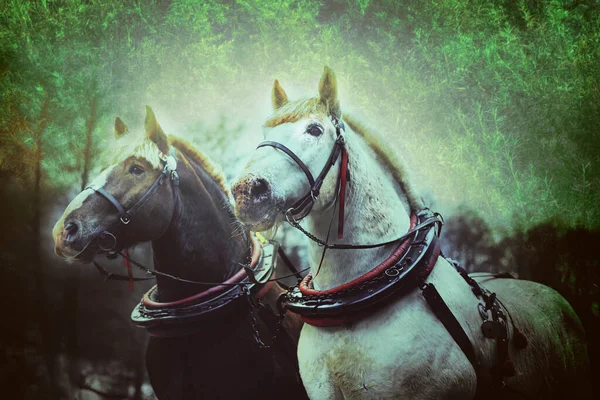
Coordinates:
[238,277]
[378,270]
[348,319]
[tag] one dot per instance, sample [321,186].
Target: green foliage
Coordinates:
[492,103]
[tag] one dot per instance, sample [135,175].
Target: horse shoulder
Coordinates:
[389,354]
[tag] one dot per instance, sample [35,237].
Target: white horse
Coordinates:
[401,350]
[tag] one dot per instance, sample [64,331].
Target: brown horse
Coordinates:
[168,193]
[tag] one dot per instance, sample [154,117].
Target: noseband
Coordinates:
[125,215]
[302,207]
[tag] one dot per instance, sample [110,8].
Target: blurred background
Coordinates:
[494,105]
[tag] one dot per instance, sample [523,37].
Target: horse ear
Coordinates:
[279,97]
[328,91]
[154,132]
[120,128]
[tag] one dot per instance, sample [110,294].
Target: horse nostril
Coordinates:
[259,188]
[71,229]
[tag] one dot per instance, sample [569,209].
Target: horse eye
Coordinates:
[136,170]
[314,130]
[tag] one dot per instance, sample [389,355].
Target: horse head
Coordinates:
[299,138]
[129,202]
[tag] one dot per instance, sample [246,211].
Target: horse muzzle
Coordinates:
[255,204]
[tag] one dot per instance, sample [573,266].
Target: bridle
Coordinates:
[125,215]
[169,171]
[302,207]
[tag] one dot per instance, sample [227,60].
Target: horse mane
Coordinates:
[383,151]
[293,111]
[209,166]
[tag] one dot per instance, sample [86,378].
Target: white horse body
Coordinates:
[402,350]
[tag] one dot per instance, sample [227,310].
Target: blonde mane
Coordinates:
[209,166]
[295,110]
[383,151]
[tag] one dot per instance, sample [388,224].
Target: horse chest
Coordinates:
[388,355]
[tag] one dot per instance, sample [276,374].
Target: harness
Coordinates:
[183,317]
[405,270]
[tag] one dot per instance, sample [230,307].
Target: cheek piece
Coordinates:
[302,206]
[169,170]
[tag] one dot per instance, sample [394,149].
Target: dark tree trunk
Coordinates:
[48,339]
[71,293]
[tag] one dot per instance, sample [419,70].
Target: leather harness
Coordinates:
[406,269]
[182,317]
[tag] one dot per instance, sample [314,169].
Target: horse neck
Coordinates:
[203,241]
[376,211]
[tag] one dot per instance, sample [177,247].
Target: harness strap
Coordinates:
[343,182]
[158,182]
[293,156]
[125,218]
[447,318]
[304,204]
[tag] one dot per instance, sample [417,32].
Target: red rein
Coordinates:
[343,181]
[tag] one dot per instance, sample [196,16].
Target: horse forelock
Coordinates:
[145,148]
[294,111]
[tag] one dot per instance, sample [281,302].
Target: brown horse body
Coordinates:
[195,236]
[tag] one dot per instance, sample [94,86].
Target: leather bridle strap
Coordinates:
[304,204]
[122,213]
[293,156]
[126,215]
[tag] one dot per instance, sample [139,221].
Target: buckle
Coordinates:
[314,194]
[290,217]
[175,178]
[125,219]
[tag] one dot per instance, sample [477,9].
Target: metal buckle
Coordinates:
[290,217]
[125,219]
[313,195]
[175,178]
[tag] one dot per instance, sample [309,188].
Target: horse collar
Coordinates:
[406,269]
[181,317]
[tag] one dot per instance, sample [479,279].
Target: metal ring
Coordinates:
[392,272]
[104,234]
[289,217]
